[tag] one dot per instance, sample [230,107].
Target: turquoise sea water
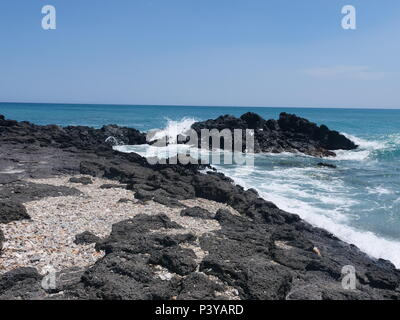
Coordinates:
[359,201]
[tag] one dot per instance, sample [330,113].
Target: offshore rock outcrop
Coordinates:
[289,133]
[262,253]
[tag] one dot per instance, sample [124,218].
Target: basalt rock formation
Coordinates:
[79,137]
[262,253]
[289,133]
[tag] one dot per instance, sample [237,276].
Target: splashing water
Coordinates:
[173,129]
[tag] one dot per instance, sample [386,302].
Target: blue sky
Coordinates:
[202,52]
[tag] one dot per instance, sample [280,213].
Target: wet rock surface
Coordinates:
[326,165]
[263,253]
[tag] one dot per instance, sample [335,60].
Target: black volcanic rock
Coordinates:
[81,180]
[198,286]
[22,191]
[289,134]
[112,186]
[12,211]
[21,284]
[263,253]
[197,212]
[326,165]
[86,238]
[1,240]
[67,137]
[253,120]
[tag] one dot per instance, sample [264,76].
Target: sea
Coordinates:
[359,201]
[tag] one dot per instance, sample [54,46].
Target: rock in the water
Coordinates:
[326,165]
[288,134]
[86,238]
[12,211]
[197,212]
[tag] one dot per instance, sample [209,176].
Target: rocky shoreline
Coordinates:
[176,232]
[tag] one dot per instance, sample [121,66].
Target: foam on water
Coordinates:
[288,197]
[173,129]
[367,149]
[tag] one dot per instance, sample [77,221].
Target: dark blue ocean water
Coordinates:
[359,201]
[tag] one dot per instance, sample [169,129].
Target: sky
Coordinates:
[278,53]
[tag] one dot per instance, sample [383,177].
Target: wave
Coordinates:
[380,147]
[173,129]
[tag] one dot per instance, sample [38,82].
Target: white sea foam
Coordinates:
[289,197]
[161,152]
[366,148]
[173,129]
[380,190]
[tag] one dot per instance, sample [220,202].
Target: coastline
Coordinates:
[279,244]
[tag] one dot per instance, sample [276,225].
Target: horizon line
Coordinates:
[194,105]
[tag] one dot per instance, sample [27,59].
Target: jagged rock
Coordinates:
[1,240]
[125,200]
[81,180]
[289,134]
[197,286]
[21,283]
[86,238]
[175,259]
[144,195]
[197,212]
[79,137]
[112,186]
[132,249]
[168,201]
[381,279]
[27,191]
[12,211]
